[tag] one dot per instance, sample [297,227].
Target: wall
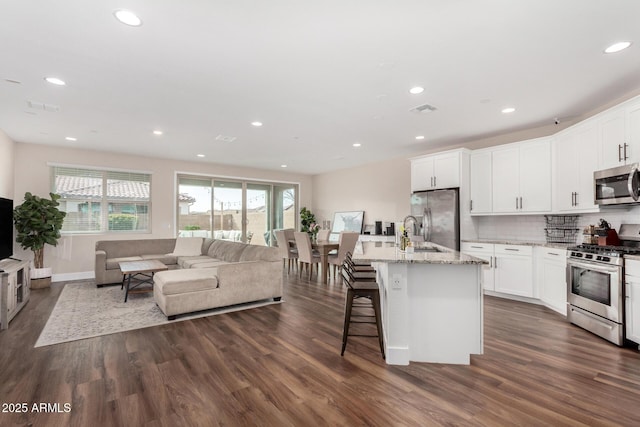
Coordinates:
[74,255]
[6,166]
[382,190]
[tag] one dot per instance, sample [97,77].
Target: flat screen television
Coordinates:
[6,228]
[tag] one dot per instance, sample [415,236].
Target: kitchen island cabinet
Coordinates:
[431,303]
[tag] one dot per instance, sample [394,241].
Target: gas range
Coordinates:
[613,255]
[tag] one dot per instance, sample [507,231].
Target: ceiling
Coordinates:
[320,76]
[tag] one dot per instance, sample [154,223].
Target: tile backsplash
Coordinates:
[530,228]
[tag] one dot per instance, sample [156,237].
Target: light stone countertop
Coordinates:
[522,243]
[389,252]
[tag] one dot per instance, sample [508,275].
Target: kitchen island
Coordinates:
[431,302]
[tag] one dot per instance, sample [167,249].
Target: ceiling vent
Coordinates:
[225,138]
[43,107]
[426,108]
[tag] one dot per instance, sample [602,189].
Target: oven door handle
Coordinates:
[633,184]
[593,266]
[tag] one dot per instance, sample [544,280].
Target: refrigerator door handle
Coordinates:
[427,229]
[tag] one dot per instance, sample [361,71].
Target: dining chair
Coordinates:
[305,253]
[346,244]
[286,251]
[324,234]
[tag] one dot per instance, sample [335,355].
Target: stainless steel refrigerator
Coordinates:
[438,216]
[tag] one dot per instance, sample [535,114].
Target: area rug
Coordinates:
[84,311]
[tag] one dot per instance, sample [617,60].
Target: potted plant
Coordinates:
[306,219]
[38,222]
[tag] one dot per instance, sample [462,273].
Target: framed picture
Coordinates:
[346,221]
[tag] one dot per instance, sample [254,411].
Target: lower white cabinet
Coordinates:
[513,268]
[632,300]
[14,289]
[551,277]
[484,251]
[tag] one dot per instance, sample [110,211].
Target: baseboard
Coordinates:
[67,277]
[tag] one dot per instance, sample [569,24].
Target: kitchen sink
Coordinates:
[426,249]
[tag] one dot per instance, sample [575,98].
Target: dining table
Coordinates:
[324,247]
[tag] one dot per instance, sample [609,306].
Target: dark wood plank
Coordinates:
[281,365]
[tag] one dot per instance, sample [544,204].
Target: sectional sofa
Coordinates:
[213,273]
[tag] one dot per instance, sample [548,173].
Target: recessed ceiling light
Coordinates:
[55,81]
[508,110]
[200,155]
[357,144]
[416,90]
[71,138]
[127,17]
[617,47]
[420,137]
[256,124]
[283,166]
[157,132]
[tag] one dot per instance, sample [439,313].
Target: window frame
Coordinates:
[105,200]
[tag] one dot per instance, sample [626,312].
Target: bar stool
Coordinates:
[361,284]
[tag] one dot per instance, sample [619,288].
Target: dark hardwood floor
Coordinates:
[280,365]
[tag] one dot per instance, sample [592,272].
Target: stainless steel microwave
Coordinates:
[617,186]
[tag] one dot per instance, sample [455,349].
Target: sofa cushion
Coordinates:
[114,263]
[182,260]
[260,253]
[200,261]
[210,264]
[226,251]
[165,259]
[188,246]
[174,282]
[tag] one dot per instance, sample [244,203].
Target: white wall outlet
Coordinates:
[396,281]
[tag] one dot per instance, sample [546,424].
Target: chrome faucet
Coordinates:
[415,224]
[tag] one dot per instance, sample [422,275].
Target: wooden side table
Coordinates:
[142,272]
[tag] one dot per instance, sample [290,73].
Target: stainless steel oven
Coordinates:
[595,293]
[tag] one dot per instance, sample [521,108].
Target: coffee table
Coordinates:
[142,272]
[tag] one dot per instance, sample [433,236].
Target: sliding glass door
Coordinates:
[237,210]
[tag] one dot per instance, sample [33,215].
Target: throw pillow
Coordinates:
[188,246]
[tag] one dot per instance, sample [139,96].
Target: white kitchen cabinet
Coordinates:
[436,171]
[484,251]
[620,135]
[513,269]
[632,300]
[521,177]
[480,183]
[614,149]
[551,268]
[576,158]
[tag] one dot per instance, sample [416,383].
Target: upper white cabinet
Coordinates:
[619,134]
[437,171]
[480,182]
[521,177]
[576,158]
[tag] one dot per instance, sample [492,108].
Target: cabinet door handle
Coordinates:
[434,181]
[470,205]
[577,200]
[512,249]
[619,152]
[520,202]
[572,199]
[516,203]
[495,262]
[552,253]
[625,151]
[477,247]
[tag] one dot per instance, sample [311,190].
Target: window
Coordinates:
[235,209]
[100,201]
